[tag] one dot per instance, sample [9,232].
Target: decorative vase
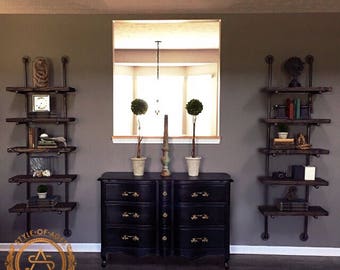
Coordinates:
[138,165]
[282,135]
[193,164]
[42,195]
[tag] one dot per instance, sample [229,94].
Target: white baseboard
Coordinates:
[285,250]
[234,249]
[76,247]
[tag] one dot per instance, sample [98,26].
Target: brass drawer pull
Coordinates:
[130,214]
[130,193]
[199,239]
[134,238]
[199,193]
[201,216]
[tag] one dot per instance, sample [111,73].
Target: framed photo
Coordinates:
[41,103]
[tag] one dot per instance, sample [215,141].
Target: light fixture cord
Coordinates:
[157,42]
[157,111]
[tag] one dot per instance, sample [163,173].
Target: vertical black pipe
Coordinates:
[65,113]
[310,60]
[64,61]
[25,60]
[269,59]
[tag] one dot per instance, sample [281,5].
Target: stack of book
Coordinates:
[284,143]
[50,201]
[292,205]
[47,144]
[293,109]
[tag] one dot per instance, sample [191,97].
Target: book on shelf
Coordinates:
[50,201]
[292,205]
[284,141]
[33,136]
[290,109]
[297,108]
[47,144]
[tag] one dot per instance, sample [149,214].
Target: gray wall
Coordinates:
[246,40]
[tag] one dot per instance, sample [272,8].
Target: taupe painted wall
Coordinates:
[246,40]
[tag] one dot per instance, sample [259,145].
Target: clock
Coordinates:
[40,103]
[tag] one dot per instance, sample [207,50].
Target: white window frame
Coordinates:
[179,139]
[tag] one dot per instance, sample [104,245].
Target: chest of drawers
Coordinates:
[165,216]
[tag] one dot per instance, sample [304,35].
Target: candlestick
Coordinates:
[165,149]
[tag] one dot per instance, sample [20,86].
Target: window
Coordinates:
[188,67]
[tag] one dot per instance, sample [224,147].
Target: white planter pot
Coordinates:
[193,164]
[282,135]
[138,165]
[42,195]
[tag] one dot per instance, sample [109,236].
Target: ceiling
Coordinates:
[167,6]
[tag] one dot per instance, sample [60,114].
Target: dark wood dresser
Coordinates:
[166,216]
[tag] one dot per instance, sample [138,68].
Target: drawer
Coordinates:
[131,192]
[196,192]
[126,214]
[200,238]
[124,237]
[200,215]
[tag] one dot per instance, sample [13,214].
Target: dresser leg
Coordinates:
[226,264]
[103,255]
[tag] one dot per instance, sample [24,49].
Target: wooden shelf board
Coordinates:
[267,180]
[314,211]
[60,178]
[312,90]
[26,90]
[59,207]
[275,121]
[312,151]
[23,150]
[52,120]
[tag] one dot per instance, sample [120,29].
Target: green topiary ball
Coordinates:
[139,106]
[194,107]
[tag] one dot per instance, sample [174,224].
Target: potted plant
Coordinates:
[282,131]
[42,191]
[194,107]
[138,107]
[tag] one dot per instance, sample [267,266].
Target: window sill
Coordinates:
[172,140]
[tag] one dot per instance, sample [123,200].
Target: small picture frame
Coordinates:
[41,103]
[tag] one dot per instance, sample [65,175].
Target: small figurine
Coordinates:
[291,194]
[40,72]
[42,173]
[301,142]
[294,67]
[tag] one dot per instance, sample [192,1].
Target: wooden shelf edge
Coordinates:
[59,207]
[267,180]
[312,151]
[60,178]
[23,149]
[55,120]
[313,211]
[311,121]
[25,90]
[312,90]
